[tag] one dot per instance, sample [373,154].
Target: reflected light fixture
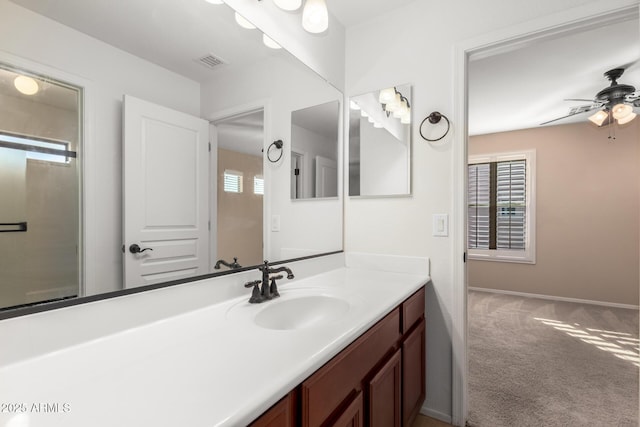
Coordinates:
[387,95]
[315,16]
[26,85]
[353,105]
[289,5]
[396,104]
[242,21]
[269,42]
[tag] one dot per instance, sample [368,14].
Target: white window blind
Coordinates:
[232,181]
[258,185]
[501,207]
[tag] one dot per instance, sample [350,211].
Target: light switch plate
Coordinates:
[440,225]
[275,223]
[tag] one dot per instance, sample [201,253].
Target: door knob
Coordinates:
[135,249]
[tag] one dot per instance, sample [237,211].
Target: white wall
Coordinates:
[283,85]
[421,52]
[42,45]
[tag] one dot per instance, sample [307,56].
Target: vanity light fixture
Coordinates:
[394,102]
[243,22]
[289,5]
[269,42]
[315,16]
[26,85]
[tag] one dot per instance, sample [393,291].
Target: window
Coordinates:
[232,181]
[48,150]
[501,207]
[258,185]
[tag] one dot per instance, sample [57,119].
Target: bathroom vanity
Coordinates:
[378,380]
[343,341]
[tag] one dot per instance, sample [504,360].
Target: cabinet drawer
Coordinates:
[324,391]
[412,310]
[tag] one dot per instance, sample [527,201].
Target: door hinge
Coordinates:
[464,257]
[209,147]
[122,248]
[296,171]
[209,225]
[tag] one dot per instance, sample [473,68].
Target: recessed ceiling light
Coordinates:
[26,85]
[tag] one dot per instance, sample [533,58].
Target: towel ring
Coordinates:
[278,144]
[435,118]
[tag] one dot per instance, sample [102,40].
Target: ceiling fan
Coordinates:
[615,102]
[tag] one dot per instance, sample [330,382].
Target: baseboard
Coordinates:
[445,418]
[554,298]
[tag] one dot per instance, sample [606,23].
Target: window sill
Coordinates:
[523,259]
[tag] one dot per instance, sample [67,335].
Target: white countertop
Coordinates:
[207,367]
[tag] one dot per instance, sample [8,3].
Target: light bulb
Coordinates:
[387,95]
[288,4]
[26,85]
[315,17]
[599,117]
[401,110]
[621,111]
[215,1]
[353,105]
[270,43]
[394,104]
[627,119]
[242,21]
[406,118]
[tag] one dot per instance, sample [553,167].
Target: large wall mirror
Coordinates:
[94,64]
[380,143]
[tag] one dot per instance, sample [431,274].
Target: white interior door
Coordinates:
[166,194]
[326,177]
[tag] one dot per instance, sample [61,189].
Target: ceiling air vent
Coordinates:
[210,61]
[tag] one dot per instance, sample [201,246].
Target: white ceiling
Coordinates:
[513,90]
[522,88]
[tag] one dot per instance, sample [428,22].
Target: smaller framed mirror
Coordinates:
[314,151]
[380,143]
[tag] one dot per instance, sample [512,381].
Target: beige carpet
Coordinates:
[535,362]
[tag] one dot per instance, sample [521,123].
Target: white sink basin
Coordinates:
[301,312]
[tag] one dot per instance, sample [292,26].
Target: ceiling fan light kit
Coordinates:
[616,102]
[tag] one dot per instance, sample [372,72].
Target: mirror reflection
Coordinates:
[314,151]
[237,92]
[380,142]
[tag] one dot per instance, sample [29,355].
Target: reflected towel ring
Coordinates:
[278,144]
[434,118]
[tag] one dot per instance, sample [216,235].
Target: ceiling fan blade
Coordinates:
[560,118]
[581,100]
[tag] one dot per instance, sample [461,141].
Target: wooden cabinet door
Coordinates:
[384,394]
[282,414]
[413,373]
[352,415]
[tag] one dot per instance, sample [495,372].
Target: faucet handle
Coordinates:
[273,289]
[252,283]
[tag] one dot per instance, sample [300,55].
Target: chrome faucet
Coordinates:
[232,265]
[268,290]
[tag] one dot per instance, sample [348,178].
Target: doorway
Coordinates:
[240,188]
[505,40]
